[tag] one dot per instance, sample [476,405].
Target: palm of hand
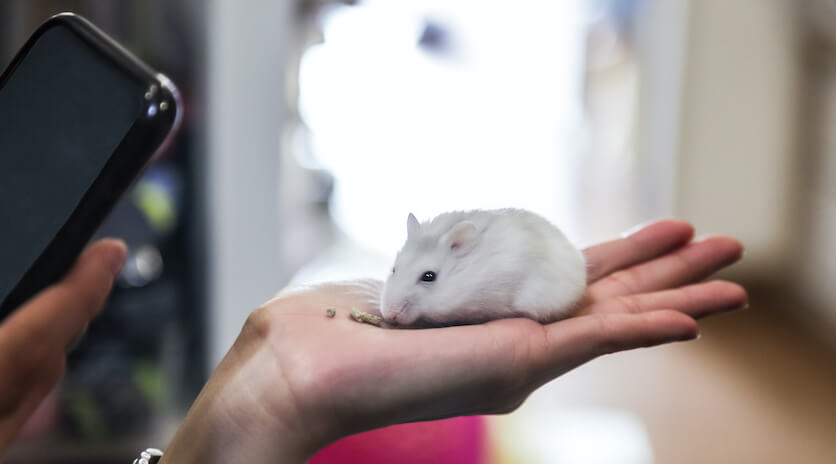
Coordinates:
[356,377]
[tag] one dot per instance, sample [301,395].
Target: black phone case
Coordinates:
[145,137]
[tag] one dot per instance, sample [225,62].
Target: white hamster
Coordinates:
[475,266]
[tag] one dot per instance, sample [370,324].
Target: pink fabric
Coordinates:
[460,440]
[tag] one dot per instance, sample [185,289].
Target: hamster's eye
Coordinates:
[428,276]
[393,270]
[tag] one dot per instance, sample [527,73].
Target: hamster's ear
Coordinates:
[461,238]
[413,227]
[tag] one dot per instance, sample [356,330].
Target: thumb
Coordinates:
[62,310]
[34,337]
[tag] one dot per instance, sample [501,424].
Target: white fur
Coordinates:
[515,264]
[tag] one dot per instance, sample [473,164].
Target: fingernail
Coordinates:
[735,307]
[635,228]
[689,337]
[116,256]
[76,340]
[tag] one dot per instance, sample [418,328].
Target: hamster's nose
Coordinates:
[391,314]
[395,312]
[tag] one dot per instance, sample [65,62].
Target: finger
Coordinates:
[648,243]
[33,338]
[572,342]
[698,300]
[689,264]
[58,313]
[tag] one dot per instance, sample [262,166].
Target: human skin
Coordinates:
[35,337]
[296,380]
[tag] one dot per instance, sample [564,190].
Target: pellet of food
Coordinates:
[362,316]
[330,312]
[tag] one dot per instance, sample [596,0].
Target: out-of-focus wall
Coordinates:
[815,262]
[757,154]
[245,94]
[738,165]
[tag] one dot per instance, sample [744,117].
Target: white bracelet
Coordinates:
[149,456]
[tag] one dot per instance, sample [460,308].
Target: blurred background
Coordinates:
[313,127]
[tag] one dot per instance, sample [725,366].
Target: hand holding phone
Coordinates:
[34,340]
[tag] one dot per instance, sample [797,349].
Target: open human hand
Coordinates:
[296,380]
[35,337]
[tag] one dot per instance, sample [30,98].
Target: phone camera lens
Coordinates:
[151,92]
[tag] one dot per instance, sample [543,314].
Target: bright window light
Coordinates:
[430,106]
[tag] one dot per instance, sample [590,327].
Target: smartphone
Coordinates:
[80,117]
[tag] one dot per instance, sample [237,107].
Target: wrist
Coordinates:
[240,418]
[198,440]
